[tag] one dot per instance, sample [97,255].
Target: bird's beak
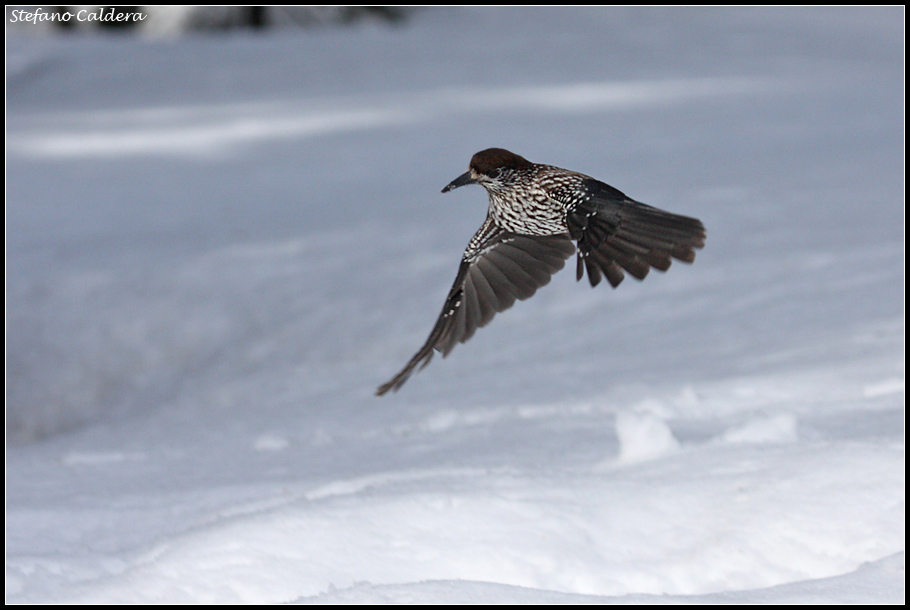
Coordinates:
[461,180]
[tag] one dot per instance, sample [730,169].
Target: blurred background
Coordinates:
[215,194]
[224,229]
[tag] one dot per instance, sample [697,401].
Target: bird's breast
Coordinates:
[532,214]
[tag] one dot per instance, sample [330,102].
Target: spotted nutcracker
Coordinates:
[536,212]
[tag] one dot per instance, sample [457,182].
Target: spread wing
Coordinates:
[497,268]
[616,233]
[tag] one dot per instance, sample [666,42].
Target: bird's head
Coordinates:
[490,168]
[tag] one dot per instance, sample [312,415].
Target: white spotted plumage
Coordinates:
[533,209]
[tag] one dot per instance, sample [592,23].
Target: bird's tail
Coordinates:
[616,237]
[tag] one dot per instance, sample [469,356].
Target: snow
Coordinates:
[219,246]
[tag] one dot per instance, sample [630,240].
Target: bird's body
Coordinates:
[536,213]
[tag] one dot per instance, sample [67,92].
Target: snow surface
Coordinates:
[218,246]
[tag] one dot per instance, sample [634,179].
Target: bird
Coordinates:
[538,217]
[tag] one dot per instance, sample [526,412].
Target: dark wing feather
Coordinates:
[497,269]
[616,233]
